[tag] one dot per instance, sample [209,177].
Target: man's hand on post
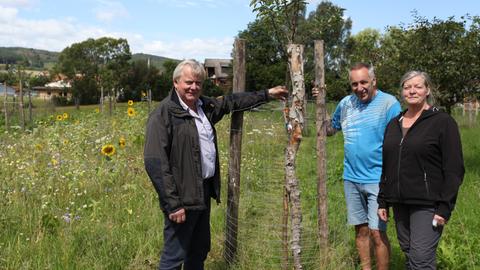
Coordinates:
[316,90]
[278,92]
[178,216]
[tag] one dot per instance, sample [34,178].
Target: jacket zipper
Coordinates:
[398,168]
[420,118]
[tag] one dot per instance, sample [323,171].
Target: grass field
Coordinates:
[65,205]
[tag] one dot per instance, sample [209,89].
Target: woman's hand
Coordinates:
[383,214]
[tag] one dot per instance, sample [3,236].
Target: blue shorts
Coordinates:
[362,205]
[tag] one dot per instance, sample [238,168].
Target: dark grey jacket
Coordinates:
[172,148]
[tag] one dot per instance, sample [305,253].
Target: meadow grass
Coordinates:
[66,206]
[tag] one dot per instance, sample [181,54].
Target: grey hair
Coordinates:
[197,69]
[360,65]
[426,80]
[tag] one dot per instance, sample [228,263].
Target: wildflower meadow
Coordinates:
[74,195]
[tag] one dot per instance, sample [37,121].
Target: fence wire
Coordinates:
[260,207]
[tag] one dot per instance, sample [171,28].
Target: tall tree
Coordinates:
[328,23]
[266,58]
[103,60]
[364,47]
[265,62]
[446,49]
[138,79]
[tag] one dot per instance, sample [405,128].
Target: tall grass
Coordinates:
[66,206]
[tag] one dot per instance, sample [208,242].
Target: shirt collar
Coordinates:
[185,106]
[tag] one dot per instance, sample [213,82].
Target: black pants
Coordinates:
[417,237]
[187,243]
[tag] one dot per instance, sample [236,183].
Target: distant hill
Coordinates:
[36,59]
[42,59]
[156,61]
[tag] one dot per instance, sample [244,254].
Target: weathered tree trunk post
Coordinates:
[5,104]
[321,147]
[20,103]
[296,121]
[236,127]
[14,106]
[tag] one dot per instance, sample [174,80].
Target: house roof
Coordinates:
[58,84]
[210,62]
[218,64]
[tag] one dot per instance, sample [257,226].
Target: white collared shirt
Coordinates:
[205,134]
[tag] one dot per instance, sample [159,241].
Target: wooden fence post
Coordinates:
[20,102]
[321,147]
[5,104]
[236,126]
[101,99]
[30,112]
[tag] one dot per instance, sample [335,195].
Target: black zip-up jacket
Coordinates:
[426,166]
[172,149]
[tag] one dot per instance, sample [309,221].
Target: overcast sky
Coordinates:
[181,28]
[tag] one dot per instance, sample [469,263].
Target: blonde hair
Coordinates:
[426,80]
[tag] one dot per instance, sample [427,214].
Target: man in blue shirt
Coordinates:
[362,117]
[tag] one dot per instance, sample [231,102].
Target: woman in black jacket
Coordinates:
[422,172]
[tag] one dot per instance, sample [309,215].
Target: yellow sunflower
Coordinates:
[59,117]
[131,112]
[130,102]
[54,162]
[39,147]
[122,142]
[65,115]
[97,110]
[108,150]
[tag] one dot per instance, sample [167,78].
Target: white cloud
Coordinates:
[107,11]
[195,48]
[7,14]
[15,3]
[48,34]
[59,33]
[193,3]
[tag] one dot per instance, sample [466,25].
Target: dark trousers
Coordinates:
[417,237]
[187,243]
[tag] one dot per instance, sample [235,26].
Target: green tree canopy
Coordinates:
[267,37]
[448,50]
[102,60]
